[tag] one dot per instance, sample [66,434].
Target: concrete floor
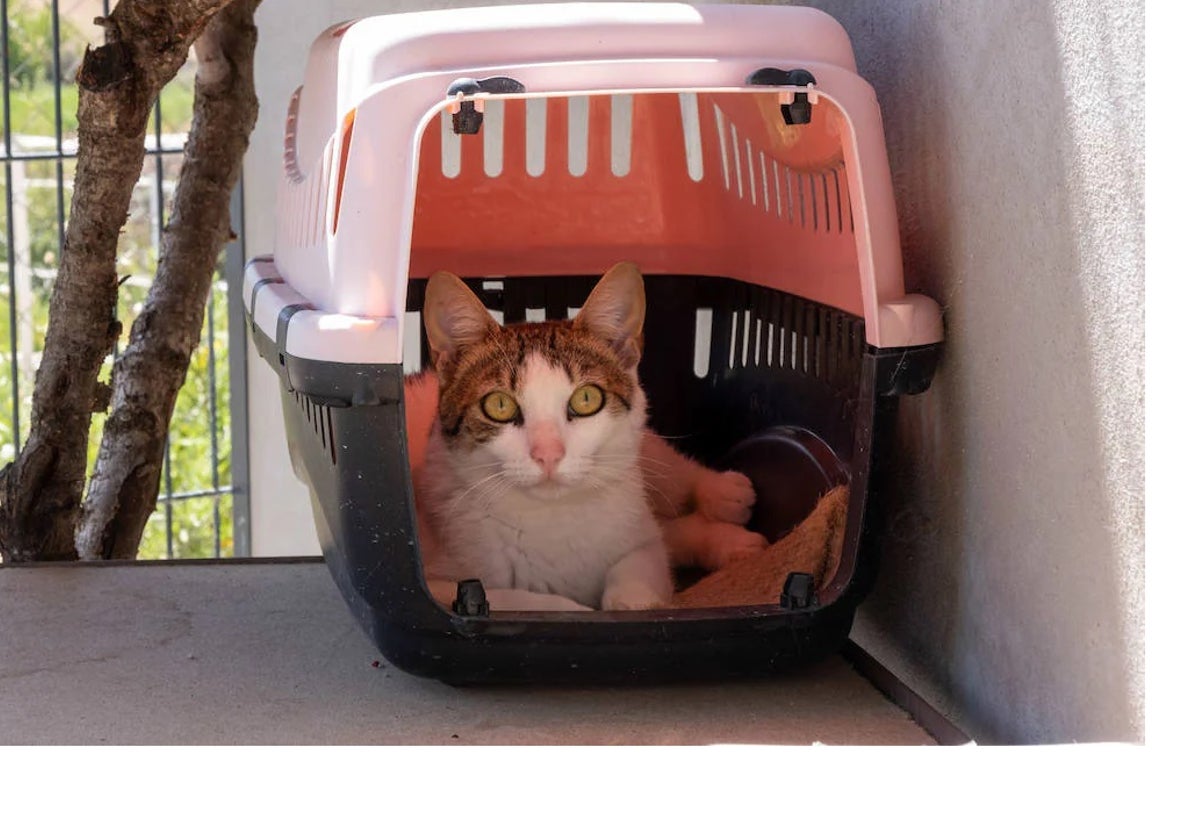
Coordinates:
[269,654]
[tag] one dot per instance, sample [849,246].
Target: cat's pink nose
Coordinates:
[547,451]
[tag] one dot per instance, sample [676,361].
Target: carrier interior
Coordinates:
[712,184]
[744,228]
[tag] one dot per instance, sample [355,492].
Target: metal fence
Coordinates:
[203,504]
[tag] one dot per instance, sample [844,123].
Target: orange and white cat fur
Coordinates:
[533,467]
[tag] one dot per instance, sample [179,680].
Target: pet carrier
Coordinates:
[732,152]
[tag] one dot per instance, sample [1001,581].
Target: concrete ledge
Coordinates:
[267,653]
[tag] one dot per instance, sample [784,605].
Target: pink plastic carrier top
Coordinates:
[637,137]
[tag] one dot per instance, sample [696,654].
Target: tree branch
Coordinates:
[146,43]
[149,373]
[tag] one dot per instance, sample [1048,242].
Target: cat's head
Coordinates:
[550,408]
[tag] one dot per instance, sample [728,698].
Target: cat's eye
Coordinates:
[586,401]
[500,407]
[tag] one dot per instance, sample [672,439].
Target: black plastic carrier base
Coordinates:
[787,390]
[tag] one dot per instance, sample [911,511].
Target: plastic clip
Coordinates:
[797,591]
[467,115]
[471,599]
[796,110]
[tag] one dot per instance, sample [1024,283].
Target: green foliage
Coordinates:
[31,44]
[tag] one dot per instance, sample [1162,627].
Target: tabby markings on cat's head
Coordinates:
[550,406]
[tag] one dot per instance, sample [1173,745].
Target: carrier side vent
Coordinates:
[320,422]
[765,329]
[302,197]
[290,163]
[816,200]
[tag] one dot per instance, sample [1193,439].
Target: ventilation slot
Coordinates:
[702,342]
[689,112]
[621,153]
[577,135]
[765,329]
[320,421]
[451,147]
[720,120]
[816,200]
[535,137]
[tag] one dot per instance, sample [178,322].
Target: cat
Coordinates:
[534,470]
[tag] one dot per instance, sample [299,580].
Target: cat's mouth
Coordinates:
[549,488]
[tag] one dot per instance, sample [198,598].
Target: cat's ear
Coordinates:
[454,317]
[616,310]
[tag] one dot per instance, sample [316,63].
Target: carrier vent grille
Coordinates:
[817,200]
[814,200]
[762,328]
[320,421]
[736,325]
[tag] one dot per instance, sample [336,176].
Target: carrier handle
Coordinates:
[799,110]
[467,119]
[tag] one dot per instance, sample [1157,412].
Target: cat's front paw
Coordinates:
[728,544]
[725,497]
[631,595]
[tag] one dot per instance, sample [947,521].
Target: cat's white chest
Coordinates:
[564,547]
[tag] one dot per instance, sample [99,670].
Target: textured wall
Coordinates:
[1012,592]
[1013,584]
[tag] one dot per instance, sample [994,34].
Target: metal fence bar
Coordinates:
[68,154]
[58,126]
[14,370]
[239,413]
[212,427]
[223,490]
[160,226]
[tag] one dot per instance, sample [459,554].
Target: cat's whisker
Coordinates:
[477,485]
[667,500]
[602,470]
[478,467]
[649,487]
[646,459]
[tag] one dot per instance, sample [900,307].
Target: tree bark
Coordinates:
[146,42]
[149,373]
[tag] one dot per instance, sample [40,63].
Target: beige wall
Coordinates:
[1012,591]
[1013,583]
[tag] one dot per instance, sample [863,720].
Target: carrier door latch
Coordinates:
[468,118]
[799,110]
